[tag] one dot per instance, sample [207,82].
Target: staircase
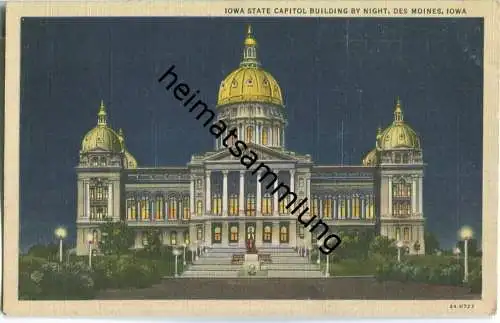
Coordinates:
[286,263]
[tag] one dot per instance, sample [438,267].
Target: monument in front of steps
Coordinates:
[251,263]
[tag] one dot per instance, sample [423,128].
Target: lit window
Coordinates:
[264,136]
[217,205]
[249,134]
[250,211]
[267,206]
[199,208]
[173,238]
[267,233]
[284,234]
[233,205]
[234,234]
[172,208]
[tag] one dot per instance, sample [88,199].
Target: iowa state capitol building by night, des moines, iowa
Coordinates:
[214,201]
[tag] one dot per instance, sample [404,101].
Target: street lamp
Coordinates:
[60,234]
[90,240]
[399,245]
[466,234]
[456,252]
[319,254]
[176,253]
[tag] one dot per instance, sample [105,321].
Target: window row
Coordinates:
[406,234]
[158,209]
[401,190]
[343,208]
[98,192]
[267,203]
[401,208]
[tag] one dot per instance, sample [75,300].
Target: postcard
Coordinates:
[293,158]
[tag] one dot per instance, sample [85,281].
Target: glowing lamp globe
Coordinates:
[176,252]
[399,244]
[61,233]
[90,238]
[466,233]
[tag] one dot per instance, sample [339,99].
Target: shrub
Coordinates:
[475,280]
[51,281]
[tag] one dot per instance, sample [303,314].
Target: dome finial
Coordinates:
[102,115]
[398,112]
[250,50]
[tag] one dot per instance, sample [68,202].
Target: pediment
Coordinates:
[263,153]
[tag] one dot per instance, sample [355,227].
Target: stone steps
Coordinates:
[286,263]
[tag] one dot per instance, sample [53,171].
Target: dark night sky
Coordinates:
[329,70]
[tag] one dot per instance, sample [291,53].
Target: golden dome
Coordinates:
[129,160]
[371,159]
[249,83]
[101,137]
[398,134]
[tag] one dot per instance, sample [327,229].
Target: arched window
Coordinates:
[265,136]
[327,208]
[185,208]
[185,237]
[199,233]
[250,205]
[398,233]
[131,206]
[173,238]
[172,208]
[217,204]
[282,205]
[267,205]
[268,236]
[234,234]
[199,208]
[315,207]
[233,205]
[159,207]
[217,234]
[342,208]
[145,208]
[406,234]
[249,134]
[355,207]
[284,234]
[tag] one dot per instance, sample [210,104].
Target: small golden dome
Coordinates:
[249,82]
[371,159]
[101,137]
[398,134]
[129,160]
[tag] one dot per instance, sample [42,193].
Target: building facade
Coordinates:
[214,200]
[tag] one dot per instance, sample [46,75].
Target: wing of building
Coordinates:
[213,200]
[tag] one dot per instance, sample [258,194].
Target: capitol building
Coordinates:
[213,200]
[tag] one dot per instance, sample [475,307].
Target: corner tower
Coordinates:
[398,156]
[103,157]
[250,100]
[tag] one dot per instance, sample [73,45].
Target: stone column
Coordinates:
[191,197]
[420,196]
[275,198]
[208,198]
[414,196]
[308,190]
[334,211]
[241,203]
[241,234]
[224,193]
[258,206]
[363,211]
[320,208]
[348,214]
[292,180]
[276,234]
[390,196]
[87,200]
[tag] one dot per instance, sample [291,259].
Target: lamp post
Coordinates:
[176,253]
[466,234]
[318,243]
[184,254]
[456,252]
[399,245]
[90,240]
[60,234]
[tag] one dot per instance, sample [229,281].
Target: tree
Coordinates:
[431,243]
[117,238]
[153,242]
[383,246]
[48,251]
